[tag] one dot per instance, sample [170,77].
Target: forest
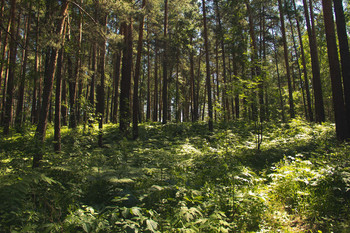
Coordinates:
[174,116]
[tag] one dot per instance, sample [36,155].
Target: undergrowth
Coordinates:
[179,178]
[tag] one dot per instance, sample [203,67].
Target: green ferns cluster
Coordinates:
[180,178]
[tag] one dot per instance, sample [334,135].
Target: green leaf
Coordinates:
[151,225]
[136,211]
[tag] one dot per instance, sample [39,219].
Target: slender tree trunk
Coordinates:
[155,98]
[135,129]
[116,77]
[100,106]
[193,85]
[298,66]
[57,133]
[222,44]
[148,111]
[19,111]
[344,54]
[303,62]
[316,81]
[12,67]
[48,85]
[124,112]
[165,66]
[36,81]
[208,82]
[64,109]
[286,60]
[279,85]
[3,54]
[334,67]
[2,6]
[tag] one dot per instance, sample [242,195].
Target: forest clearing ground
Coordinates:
[180,178]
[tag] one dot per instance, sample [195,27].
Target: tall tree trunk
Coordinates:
[48,85]
[135,106]
[58,103]
[286,60]
[225,101]
[19,111]
[193,85]
[344,54]
[334,67]
[100,106]
[165,65]
[148,111]
[116,77]
[298,66]
[72,84]
[303,62]
[279,85]
[316,76]
[36,81]
[208,82]
[2,57]
[155,95]
[125,84]
[12,67]
[64,109]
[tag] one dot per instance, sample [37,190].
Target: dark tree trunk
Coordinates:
[279,85]
[64,109]
[135,129]
[36,81]
[19,111]
[11,72]
[93,78]
[57,133]
[125,83]
[48,85]
[303,61]
[72,84]
[100,106]
[116,77]
[344,54]
[148,111]
[165,66]
[155,95]
[208,82]
[193,86]
[286,60]
[3,57]
[334,67]
[316,76]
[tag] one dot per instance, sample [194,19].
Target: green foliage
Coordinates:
[179,178]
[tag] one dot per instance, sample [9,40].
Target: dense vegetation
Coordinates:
[174,116]
[179,178]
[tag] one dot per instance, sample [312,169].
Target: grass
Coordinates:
[179,178]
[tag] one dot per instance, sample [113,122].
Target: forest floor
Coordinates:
[243,177]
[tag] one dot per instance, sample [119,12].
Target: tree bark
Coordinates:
[334,67]
[208,82]
[100,106]
[344,54]
[19,111]
[116,77]
[58,103]
[316,76]
[165,66]
[48,85]
[11,72]
[125,84]
[155,93]
[303,62]
[286,60]
[135,106]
